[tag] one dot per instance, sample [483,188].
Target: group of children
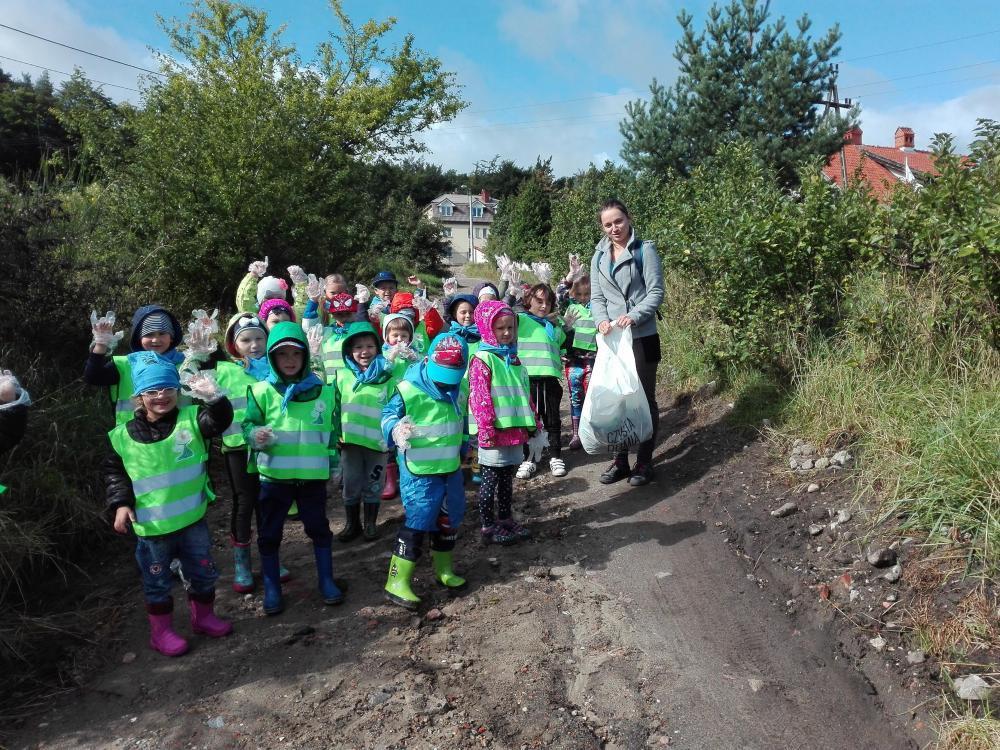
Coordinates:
[376,393]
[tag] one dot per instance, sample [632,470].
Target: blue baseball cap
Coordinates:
[384,277]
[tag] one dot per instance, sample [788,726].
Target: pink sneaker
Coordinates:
[162,637]
[204,621]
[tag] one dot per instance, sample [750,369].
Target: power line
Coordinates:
[505,125]
[920,46]
[68,75]
[545,104]
[85,52]
[921,75]
[888,92]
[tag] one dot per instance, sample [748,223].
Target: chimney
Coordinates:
[853,137]
[484,196]
[904,137]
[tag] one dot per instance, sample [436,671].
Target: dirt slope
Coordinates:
[628,622]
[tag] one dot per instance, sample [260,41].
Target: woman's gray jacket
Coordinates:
[631,288]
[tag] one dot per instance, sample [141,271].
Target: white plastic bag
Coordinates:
[615,411]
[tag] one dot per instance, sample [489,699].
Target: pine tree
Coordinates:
[742,78]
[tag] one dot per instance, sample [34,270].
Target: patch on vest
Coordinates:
[182,444]
[318,410]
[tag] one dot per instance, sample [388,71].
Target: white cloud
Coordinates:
[57,20]
[956,116]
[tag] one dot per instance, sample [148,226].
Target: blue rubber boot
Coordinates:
[324,572]
[242,576]
[270,573]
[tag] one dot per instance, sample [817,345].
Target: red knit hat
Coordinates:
[342,303]
[404,301]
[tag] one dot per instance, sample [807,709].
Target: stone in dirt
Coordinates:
[915,657]
[821,463]
[129,657]
[841,458]
[972,688]
[882,558]
[843,516]
[755,684]
[894,573]
[878,643]
[785,510]
[434,614]
[217,723]
[539,571]
[812,487]
[816,529]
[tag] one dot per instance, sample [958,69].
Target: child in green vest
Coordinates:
[500,403]
[424,422]
[460,315]
[581,352]
[14,403]
[157,485]
[397,337]
[540,345]
[361,389]
[288,426]
[342,309]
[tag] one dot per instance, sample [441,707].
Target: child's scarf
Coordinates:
[469,333]
[309,381]
[378,371]
[550,330]
[258,368]
[506,352]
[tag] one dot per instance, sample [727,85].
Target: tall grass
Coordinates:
[921,401]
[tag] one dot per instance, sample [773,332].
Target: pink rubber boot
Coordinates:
[204,621]
[162,637]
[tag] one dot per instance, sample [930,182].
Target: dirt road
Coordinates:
[628,622]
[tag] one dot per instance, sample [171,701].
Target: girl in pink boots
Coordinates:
[157,485]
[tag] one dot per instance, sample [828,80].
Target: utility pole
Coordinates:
[472,244]
[833,96]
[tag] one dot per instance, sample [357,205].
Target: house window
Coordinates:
[477,212]
[444,209]
[481,233]
[446,231]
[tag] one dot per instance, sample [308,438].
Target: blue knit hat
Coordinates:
[151,372]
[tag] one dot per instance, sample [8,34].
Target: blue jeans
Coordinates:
[277,497]
[193,547]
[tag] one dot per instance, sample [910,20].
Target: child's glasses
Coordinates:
[160,393]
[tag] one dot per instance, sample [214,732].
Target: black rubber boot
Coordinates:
[353,528]
[371,521]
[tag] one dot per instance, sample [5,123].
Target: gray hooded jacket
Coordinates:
[624,289]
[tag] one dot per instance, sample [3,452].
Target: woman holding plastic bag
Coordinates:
[626,290]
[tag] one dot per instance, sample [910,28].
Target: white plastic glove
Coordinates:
[515,290]
[575,266]
[258,268]
[103,329]
[450,286]
[297,275]
[503,263]
[202,386]
[423,304]
[314,288]
[570,318]
[361,293]
[543,271]
[514,276]
[377,308]
[315,338]
[200,338]
[401,351]
[536,444]
[262,437]
[402,433]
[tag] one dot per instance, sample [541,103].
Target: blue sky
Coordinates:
[551,77]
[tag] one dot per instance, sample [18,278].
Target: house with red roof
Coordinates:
[883,167]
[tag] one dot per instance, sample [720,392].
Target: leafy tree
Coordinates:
[523,222]
[29,130]
[97,127]
[742,78]
[244,150]
[502,178]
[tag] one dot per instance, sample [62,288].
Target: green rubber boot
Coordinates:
[443,571]
[397,588]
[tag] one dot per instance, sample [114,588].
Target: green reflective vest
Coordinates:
[361,410]
[473,426]
[421,341]
[121,392]
[301,448]
[509,393]
[333,352]
[538,353]
[169,477]
[584,330]
[235,381]
[437,439]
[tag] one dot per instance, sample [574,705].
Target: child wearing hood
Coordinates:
[361,388]
[582,351]
[500,402]
[405,303]
[256,287]
[154,329]
[424,422]
[460,313]
[397,338]
[158,486]
[288,426]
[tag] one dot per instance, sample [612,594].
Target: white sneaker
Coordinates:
[558,467]
[526,470]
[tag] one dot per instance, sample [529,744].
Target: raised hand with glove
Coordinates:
[202,386]
[402,432]
[361,293]
[450,286]
[543,271]
[297,275]
[258,268]
[105,339]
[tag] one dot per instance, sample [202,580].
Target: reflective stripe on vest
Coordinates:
[538,353]
[333,353]
[234,380]
[168,477]
[437,437]
[302,435]
[509,393]
[361,411]
[473,425]
[584,330]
